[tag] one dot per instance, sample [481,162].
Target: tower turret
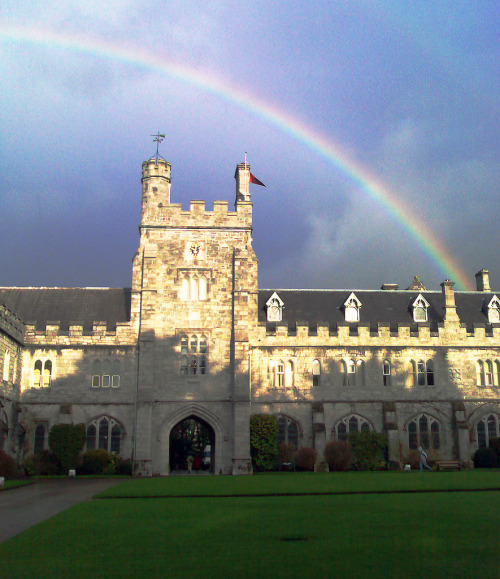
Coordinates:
[242,176]
[155,184]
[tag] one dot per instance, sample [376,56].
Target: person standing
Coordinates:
[423,459]
[190,463]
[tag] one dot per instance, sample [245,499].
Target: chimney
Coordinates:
[242,176]
[389,286]
[483,281]
[450,308]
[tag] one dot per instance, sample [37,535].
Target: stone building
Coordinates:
[195,338]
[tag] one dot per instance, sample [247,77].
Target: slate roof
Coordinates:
[377,306]
[68,305]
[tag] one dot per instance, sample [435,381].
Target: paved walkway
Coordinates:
[26,506]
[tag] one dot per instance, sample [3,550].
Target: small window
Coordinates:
[47,373]
[487,428]
[352,308]
[39,443]
[420,306]
[386,372]
[280,375]
[316,372]
[37,374]
[6,366]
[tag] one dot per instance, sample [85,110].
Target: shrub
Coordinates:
[8,466]
[264,441]
[338,455]
[305,458]
[96,461]
[485,458]
[66,442]
[369,450]
[43,463]
[495,445]
[124,467]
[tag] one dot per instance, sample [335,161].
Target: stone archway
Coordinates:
[192,436]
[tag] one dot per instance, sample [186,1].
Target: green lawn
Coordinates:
[308,483]
[12,484]
[430,534]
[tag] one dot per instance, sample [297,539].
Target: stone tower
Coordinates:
[194,299]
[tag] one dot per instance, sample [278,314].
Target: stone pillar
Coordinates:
[319,430]
[391,429]
[462,443]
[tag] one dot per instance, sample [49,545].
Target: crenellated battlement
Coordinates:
[79,335]
[11,324]
[383,334]
[173,216]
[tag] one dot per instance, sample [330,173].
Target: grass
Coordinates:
[305,483]
[12,484]
[360,535]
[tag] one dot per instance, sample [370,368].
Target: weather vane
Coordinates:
[158,138]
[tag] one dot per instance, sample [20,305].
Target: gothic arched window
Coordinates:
[348,424]
[423,431]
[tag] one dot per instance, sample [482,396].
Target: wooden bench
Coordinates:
[448,465]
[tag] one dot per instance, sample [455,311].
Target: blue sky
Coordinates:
[409,90]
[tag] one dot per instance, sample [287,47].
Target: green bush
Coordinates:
[495,445]
[305,459]
[413,459]
[43,463]
[124,467]
[96,461]
[8,466]
[338,455]
[485,458]
[369,449]
[264,441]
[66,442]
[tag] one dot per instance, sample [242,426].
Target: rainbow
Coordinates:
[323,146]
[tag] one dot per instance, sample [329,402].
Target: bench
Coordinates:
[448,465]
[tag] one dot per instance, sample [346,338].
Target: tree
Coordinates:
[264,441]
[66,442]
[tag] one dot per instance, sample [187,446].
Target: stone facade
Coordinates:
[195,337]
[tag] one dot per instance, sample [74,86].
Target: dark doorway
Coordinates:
[192,437]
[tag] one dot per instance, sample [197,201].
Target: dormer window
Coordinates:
[274,308]
[420,306]
[351,309]
[494,310]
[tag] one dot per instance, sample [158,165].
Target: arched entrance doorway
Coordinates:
[194,437]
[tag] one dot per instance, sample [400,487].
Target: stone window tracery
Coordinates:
[194,355]
[42,374]
[487,372]
[280,374]
[423,431]
[275,307]
[106,373]
[487,428]
[288,431]
[105,433]
[193,286]
[422,372]
[348,424]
